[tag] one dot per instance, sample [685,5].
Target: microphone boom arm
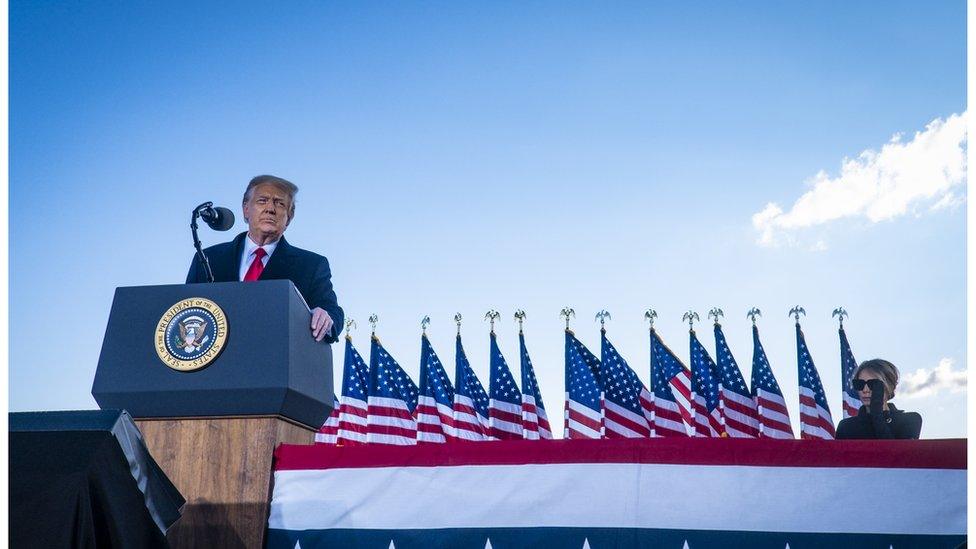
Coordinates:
[196,239]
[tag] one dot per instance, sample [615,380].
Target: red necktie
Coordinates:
[254,271]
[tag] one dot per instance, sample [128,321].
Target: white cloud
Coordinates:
[950,201]
[878,185]
[924,382]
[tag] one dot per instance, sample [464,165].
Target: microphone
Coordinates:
[217,218]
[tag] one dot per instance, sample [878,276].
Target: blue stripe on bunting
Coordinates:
[597,538]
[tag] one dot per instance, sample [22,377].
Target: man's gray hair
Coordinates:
[279,183]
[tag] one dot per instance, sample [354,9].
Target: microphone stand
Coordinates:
[196,240]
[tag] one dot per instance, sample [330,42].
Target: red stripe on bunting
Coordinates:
[912,454]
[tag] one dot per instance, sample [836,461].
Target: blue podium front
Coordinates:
[214,350]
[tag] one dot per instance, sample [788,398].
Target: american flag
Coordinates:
[738,406]
[852,403]
[353,409]
[535,423]
[705,393]
[628,406]
[671,383]
[435,415]
[327,433]
[505,399]
[392,400]
[774,418]
[815,419]
[584,398]
[470,399]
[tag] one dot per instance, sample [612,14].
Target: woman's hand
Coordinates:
[877,396]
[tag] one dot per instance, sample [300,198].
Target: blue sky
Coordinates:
[497,155]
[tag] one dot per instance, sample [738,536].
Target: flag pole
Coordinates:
[491,316]
[840,313]
[691,317]
[716,313]
[373,319]
[752,313]
[520,317]
[566,312]
[796,311]
[603,316]
[650,315]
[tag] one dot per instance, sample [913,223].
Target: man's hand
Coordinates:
[321,323]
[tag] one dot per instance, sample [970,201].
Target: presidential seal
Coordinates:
[191,334]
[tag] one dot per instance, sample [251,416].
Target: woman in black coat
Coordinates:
[875,381]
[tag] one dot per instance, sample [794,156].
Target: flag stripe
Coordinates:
[737,405]
[352,416]
[535,424]
[378,413]
[900,454]
[434,413]
[433,438]
[505,411]
[327,433]
[624,429]
[623,422]
[668,420]
[681,384]
[469,435]
[405,439]
[578,430]
[742,404]
[814,420]
[851,405]
[582,415]
[771,402]
[930,502]
[586,411]
[669,428]
[346,436]
[530,418]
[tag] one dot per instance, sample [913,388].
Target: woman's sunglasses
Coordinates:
[873,384]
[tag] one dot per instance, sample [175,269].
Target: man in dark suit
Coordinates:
[262,253]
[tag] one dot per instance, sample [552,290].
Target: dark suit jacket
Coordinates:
[308,271]
[894,423]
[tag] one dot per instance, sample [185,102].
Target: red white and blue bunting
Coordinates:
[693,493]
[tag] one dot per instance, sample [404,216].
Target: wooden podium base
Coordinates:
[222,466]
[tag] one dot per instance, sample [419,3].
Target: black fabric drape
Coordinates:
[86,488]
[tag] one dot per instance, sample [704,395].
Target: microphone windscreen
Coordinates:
[224,219]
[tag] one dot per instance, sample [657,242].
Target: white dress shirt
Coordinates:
[247,256]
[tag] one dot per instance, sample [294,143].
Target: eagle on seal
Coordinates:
[192,334]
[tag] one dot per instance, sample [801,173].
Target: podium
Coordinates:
[216,376]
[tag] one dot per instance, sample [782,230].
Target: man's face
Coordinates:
[266,212]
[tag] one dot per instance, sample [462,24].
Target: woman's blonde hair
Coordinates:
[885,370]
